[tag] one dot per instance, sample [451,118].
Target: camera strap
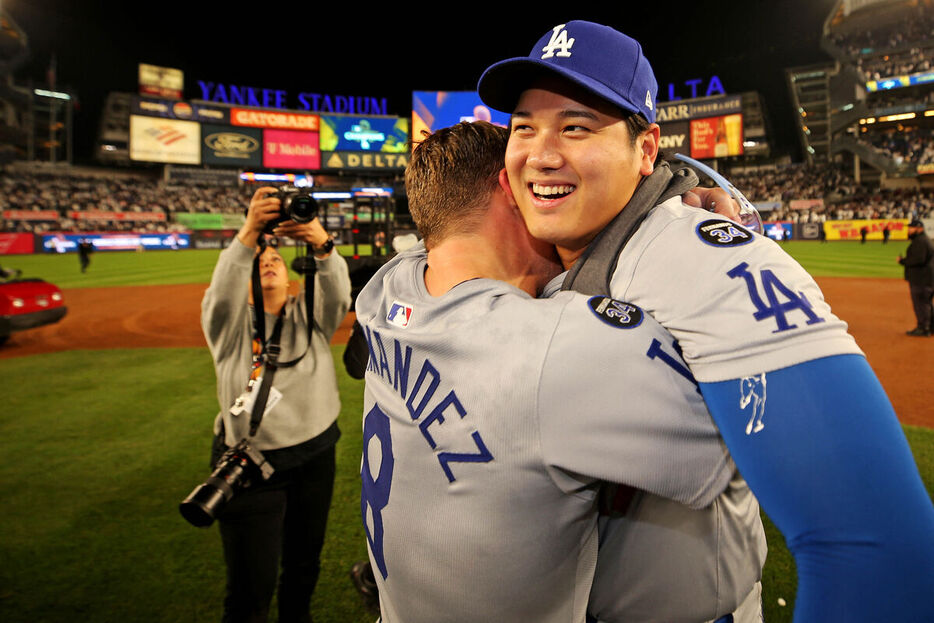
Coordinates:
[266,353]
[270,366]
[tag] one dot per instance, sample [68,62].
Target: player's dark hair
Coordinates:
[637,124]
[451,175]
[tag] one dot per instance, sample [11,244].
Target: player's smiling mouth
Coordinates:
[551,192]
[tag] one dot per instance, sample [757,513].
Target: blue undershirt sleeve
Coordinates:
[829,462]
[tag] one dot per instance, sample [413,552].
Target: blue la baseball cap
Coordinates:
[598,58]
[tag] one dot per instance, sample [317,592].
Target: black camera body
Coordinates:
[295,204]
[237,468]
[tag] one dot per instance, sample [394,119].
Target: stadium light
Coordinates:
[899,117]
[55,94]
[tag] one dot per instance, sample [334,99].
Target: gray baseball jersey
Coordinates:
[731,299]
[737,303]
[488,418]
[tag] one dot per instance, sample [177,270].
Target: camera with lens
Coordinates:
[295,204]
[237,468]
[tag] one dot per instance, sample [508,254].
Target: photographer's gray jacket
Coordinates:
[310,401]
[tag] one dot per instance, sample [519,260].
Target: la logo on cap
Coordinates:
[648,100]
[559,41]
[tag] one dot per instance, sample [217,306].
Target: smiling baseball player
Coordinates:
[481,450]
[801,411]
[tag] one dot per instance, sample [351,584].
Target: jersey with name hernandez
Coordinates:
[737,303]
[489,416]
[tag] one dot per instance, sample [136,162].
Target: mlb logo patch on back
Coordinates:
[399,314]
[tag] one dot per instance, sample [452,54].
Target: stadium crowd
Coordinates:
[68,194]
[71,196]
[914,26]
[904,145]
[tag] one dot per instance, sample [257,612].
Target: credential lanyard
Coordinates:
[270,353]
[266,355]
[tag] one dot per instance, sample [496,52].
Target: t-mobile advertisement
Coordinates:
[291,149]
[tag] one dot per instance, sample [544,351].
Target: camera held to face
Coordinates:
[236,469]
[295,204]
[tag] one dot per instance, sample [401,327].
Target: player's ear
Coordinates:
[504,185]
[648,143]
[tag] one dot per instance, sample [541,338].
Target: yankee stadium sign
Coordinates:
[277,98]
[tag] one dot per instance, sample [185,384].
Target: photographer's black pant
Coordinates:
[285,516]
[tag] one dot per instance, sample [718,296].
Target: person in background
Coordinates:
[821,447]
[919,273]
[281,519]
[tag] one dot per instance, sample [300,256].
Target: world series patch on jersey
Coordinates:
[488,418]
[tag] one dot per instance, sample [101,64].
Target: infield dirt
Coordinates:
[878,312]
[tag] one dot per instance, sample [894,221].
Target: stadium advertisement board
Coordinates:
[778,230]
[154,139]
[231,146]
[676,137]
[290,149]
[204,220]
[65,243]
[683,110]
[30,215]
[171,109]
[717,137]
[363,160]
[212,239]
[161,81]
[108,215]
[767,206]
[806,204]
[850,230]
[810,231]
[15,244]
[379,134]
[279,120]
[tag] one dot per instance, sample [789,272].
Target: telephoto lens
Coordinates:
[203,504]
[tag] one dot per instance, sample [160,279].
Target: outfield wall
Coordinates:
[842,230]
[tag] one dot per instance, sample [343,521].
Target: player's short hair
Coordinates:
[451,176]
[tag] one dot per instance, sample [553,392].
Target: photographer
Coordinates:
[286,514]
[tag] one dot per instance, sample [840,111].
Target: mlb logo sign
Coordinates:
[399,314]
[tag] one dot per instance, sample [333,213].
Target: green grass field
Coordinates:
[99,447]
[129,268]
[122,268]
